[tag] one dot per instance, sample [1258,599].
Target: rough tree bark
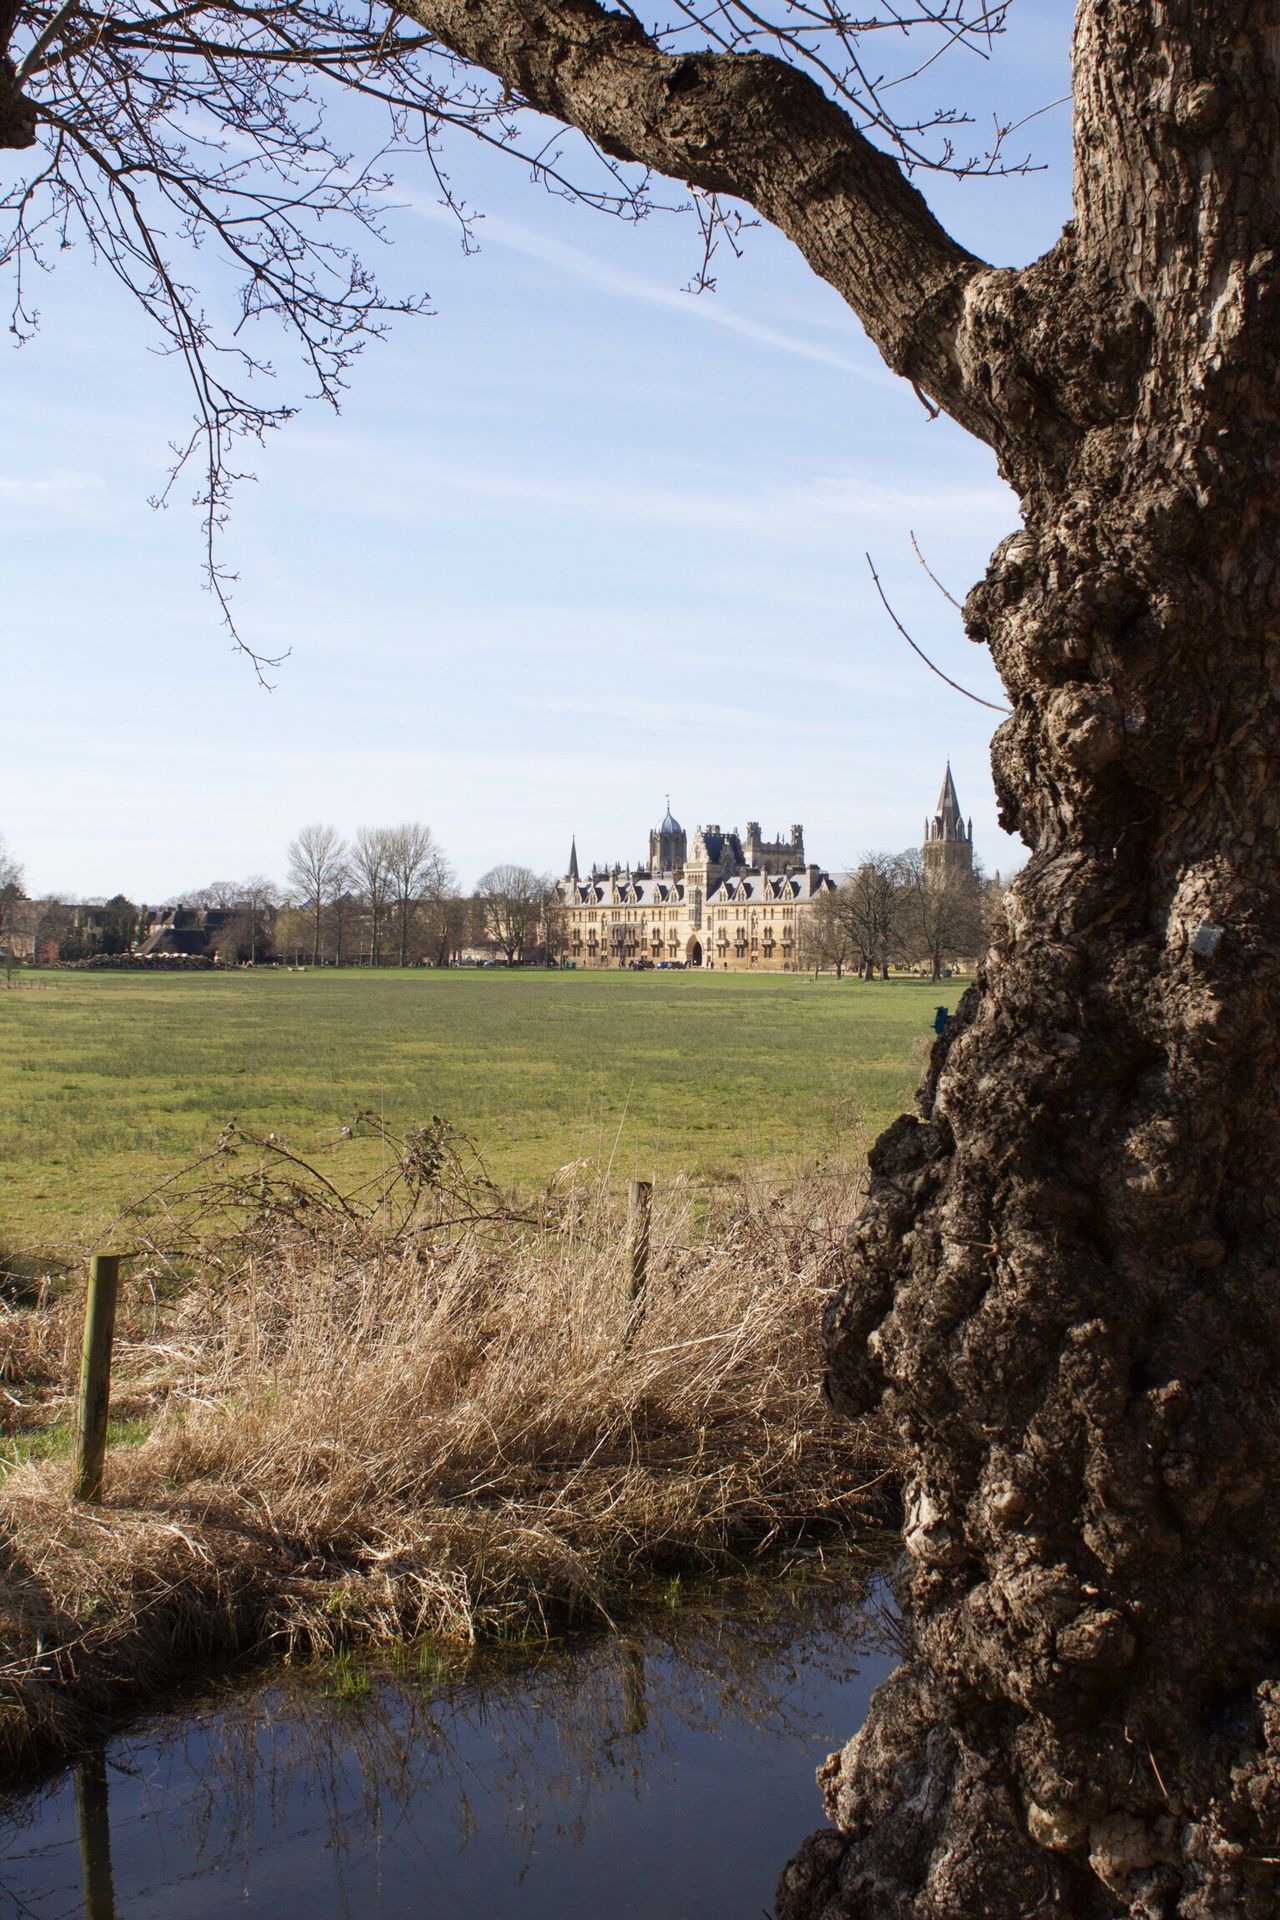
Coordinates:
[1064,1295]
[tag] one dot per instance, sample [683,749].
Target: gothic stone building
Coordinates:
[729,901]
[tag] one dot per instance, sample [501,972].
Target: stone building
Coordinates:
[729,900]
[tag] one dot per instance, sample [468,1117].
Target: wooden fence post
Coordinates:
[640,1203]
[95,1376]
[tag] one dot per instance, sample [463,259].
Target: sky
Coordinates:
[578,541]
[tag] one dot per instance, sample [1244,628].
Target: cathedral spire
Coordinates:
[948,845]
[949,819]
[573,858]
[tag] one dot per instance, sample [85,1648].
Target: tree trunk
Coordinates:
[1064,1294]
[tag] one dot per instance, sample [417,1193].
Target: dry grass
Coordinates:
[395,1428]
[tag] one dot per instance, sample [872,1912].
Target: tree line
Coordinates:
[388,895]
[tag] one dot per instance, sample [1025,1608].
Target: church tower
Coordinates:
[948,844]
[668,845]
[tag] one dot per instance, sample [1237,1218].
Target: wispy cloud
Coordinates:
[590,269]
[712,500]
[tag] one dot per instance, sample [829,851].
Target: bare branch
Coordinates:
[750,127]
[978,701]
[186,142]
[933,576]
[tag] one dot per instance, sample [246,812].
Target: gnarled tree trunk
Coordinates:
[1065,1291]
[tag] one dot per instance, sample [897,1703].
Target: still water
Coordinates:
[661,1773]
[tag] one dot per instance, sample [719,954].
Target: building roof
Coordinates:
[751,885]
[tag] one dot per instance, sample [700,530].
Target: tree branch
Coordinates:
[749,126]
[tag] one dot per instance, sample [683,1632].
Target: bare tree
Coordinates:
[445,922]
[369,860]
[1061,1297]
[342,907]
[11,891]
[826,936]
[316,867]
[219,894]
[247,934]
[942,914]
[418,871]
[511,900]
[555,925]
[869,902]
[294,925]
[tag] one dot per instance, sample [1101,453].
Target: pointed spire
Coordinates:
[573,858]
[949,818]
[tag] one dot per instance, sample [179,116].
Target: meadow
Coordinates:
[111,1082]
[337,1428]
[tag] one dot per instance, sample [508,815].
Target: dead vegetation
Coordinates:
[416,1410]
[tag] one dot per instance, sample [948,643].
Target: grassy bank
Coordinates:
[107,1081]
[338,1434]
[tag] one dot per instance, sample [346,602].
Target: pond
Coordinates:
[661,1772]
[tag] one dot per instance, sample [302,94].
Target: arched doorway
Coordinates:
[693,953]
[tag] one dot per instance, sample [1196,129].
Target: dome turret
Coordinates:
[667,844]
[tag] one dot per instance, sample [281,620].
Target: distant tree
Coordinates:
[511,901]
[942,911]
[219,894]
[343,907]
[871,905]
[555,925]
[50,920]
[117,929]
[316,867]
[293,932]
[417,871]
[826,937]
[247,935]
[370,863]
[11,891]
[445,927]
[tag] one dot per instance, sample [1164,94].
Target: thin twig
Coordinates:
[976,698]
[933,576]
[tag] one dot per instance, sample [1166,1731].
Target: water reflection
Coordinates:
[665,1773]
[93,1820]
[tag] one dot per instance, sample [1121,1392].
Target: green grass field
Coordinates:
[108,1082]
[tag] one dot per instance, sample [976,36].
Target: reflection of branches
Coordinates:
[541,1738]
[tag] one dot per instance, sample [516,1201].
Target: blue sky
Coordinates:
[577,541]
